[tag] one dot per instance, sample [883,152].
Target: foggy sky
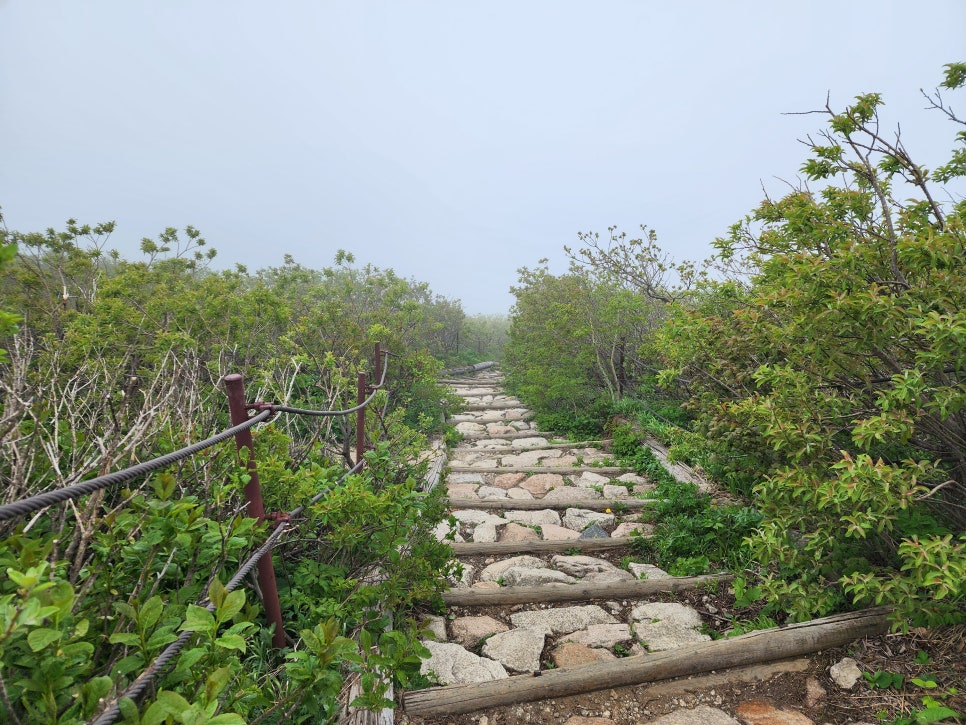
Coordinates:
[451,141]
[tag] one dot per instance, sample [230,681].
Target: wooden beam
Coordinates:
[631,589]
[761,646]
[539,504]
[540,469]
[540,547]
[511,449]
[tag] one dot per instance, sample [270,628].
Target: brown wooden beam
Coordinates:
[631,589]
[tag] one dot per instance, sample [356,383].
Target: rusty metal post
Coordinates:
[378,378]
[256,508]
[360,418]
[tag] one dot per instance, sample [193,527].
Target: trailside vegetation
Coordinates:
[815,365]
[118,361]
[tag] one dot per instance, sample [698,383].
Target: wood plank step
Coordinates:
[539,504]
[581,591]
[470,548]
[511,449]
[540,469]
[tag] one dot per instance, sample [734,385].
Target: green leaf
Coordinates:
[125,638]
[935,714]
[231,641]
[198,619]
[226,718]
[129,711]
[150,612]
[40,638]
[216,592]
[232,605]
[216,683]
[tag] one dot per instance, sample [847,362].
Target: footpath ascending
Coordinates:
[551,586]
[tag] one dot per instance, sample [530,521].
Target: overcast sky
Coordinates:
[451,141]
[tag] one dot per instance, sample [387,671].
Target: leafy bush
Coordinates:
[692,534]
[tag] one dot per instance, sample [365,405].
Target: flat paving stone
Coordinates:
[563,620]
[453,665]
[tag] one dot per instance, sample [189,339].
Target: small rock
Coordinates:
[579,519]
[628,528]
[569,494]
[594,531]
[516,532]
[758,712]
[701,715]
[517,576]
[508,480]
[563,620]
[588,479]
[518,649]
[484,533]
[495,571]
[490,492]
[453,665]
[571,653]
[580,566]
[558,533]
[845,673]
[462,490]
[612,492]
[520,494]
[651,571]
[535,442]
[814,692]
[539,484]
[534,518]
[602,635]
[436,625]
[468,631]
[460,478]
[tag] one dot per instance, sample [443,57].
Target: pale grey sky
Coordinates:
[451,141]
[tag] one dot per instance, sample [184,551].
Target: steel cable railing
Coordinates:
[31,504]
[43,500]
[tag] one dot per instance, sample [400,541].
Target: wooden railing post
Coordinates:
[256,508]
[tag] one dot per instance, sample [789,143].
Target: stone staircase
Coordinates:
[544,530]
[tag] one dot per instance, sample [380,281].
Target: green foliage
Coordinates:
[574,341]
[692,534]
[8,320]
[826,378]
[118,361]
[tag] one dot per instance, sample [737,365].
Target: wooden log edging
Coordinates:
[539,504]
[580,591]
[540,547]
[511,449]
[540,469]
[761,646]
[470,368]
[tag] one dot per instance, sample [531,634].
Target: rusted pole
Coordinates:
[360,418]
[256,508]
[378,378]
